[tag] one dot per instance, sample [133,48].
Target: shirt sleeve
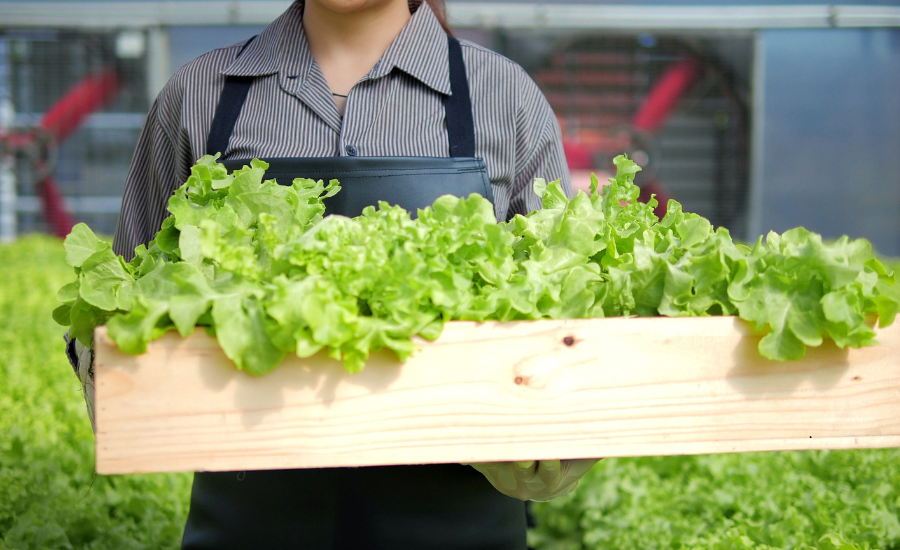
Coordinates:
[539,149]
[159,166]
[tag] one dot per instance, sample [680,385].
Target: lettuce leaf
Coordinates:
[267,274]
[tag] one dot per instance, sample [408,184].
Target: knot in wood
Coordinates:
[569,341]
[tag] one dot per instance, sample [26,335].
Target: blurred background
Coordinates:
[759,115]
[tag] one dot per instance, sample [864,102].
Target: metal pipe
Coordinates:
[757,142]
[8,220]
[158,71]
[512,14]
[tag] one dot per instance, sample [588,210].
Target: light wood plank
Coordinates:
[491,392]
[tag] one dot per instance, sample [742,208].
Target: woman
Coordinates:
[376,94]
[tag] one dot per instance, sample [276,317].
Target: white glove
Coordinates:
[81,358]
[539,480]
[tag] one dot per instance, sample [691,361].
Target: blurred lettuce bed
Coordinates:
[841,500]
[50,498]
[844,500]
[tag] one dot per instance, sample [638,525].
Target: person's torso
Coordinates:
[431,507]
[394,115]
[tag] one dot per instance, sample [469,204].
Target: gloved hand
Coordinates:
[539,480]
[81,358]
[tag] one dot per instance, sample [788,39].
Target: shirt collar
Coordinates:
[420,50]
[263,56]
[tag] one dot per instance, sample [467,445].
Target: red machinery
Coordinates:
[653,113]
[659,104]
[96,90]
[58,123]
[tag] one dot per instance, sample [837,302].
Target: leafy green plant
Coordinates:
[258,265]
[847,500]
[50,497]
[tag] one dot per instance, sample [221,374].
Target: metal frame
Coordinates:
[757,137]
[106,121]
[31,204]
[592,16]
[462,14]
[156,16]
[8,203]
[157,60]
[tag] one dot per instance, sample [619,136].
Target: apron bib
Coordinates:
[430,507]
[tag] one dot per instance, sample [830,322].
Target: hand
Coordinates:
[81,358]
[539,480]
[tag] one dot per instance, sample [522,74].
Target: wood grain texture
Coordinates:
[492,392]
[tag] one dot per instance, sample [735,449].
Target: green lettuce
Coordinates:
[259,266]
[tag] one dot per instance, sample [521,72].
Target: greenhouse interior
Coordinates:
[758,116]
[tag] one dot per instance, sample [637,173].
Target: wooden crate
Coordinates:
[492,392]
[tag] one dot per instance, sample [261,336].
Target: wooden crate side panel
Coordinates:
[487,392]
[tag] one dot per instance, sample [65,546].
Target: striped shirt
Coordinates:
[395,110]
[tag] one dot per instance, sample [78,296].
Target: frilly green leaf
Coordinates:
[259,266]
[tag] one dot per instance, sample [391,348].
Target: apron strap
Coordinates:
[234,93]
[457,107]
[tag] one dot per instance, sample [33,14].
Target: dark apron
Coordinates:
[432,507]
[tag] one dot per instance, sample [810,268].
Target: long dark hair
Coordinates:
[440,11]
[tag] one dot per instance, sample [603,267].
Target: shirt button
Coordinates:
[351,150]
